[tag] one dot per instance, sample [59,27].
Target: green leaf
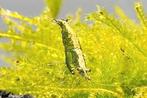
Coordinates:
[54,6]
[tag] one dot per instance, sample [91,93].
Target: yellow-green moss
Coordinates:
[115,50]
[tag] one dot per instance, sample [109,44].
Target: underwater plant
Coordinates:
[114,47]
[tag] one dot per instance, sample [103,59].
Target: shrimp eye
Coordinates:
[101,13]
